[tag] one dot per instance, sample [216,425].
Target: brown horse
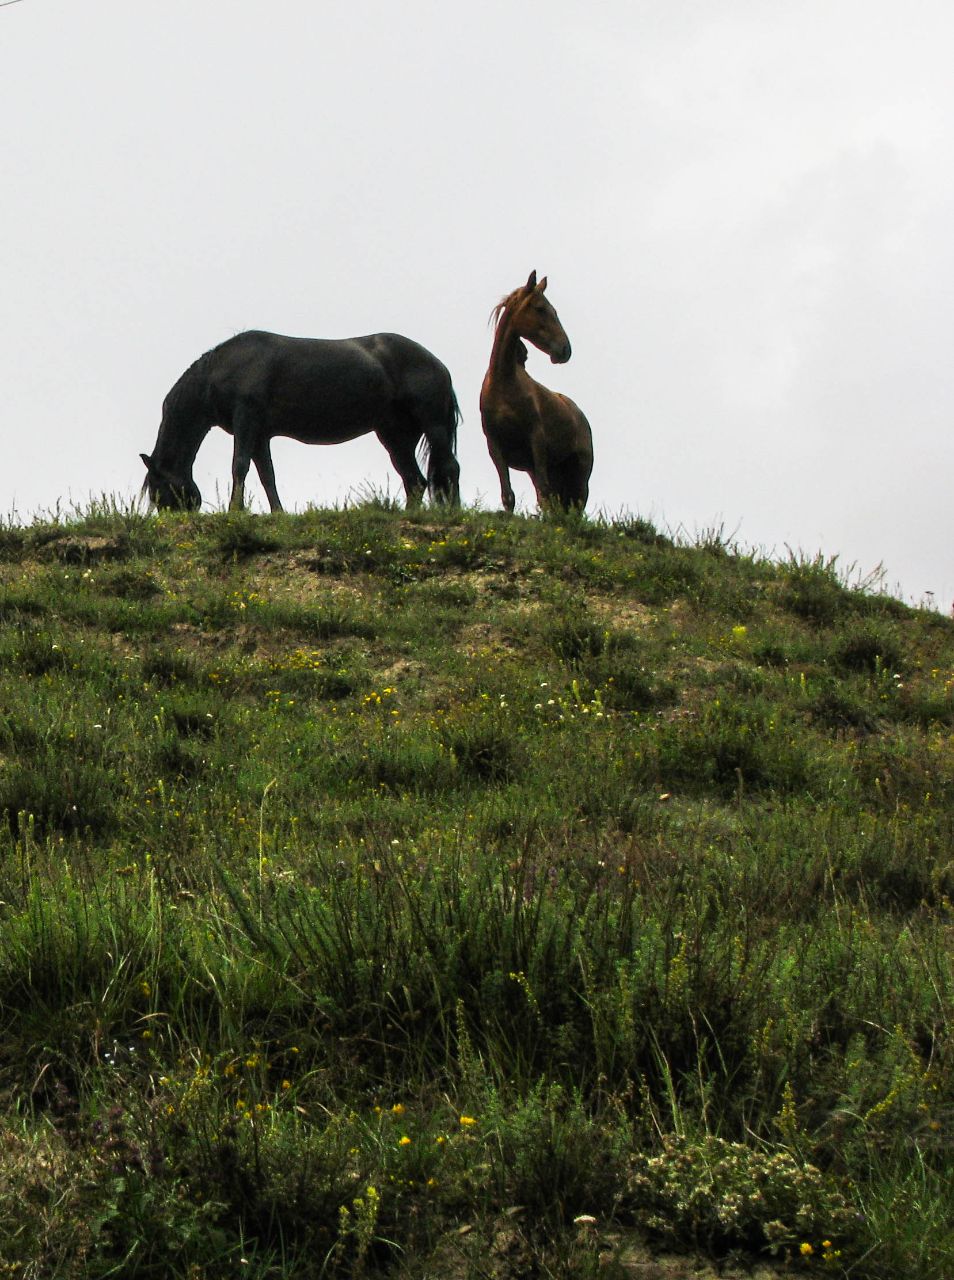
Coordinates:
[527,426]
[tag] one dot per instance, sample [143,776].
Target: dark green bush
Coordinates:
[870,648]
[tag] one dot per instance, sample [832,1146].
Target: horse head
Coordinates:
[168,492]
[535,319]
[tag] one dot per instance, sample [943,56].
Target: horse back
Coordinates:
[317,390]
[414,371]
[367,371]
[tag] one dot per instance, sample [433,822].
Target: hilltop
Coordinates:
[423,893]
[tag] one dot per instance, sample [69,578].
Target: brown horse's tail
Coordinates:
[439,450]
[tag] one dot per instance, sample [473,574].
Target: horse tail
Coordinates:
[439,451]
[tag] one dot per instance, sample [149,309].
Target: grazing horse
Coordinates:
[527,426]
[316,390]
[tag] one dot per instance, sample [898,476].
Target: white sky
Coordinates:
[745,209]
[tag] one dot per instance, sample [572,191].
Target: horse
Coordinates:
[257,385]
[527,426]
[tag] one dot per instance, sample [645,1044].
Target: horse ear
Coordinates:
[542,286]
[532,280]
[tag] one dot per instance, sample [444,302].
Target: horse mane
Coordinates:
[504,303]
[497,315]
[184,392]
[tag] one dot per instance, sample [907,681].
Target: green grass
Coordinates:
[380,892]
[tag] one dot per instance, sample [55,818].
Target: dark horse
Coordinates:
[527,426]
[316,390]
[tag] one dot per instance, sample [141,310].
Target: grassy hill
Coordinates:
[467,896]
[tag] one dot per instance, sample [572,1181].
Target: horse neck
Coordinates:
[505,361]
[186,421]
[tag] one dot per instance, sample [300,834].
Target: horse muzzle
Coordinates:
[561,354]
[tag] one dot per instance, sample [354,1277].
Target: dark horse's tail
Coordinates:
[439,452]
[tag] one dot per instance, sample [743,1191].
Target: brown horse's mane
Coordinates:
[502,305]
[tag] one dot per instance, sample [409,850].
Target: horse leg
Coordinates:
[507,497]
[541,479]
[578,490]
[245,430]
[443,473]
[266,473]
[432,413]
[240,464]
[576,478]
[403,459]
[443,469]
[572,485]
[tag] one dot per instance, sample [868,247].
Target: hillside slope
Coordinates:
[399,891]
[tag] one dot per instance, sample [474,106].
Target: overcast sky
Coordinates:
[744,208]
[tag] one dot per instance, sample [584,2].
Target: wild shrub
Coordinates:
[625,686]
[59,796]
[728,750]
[398,762]
[867,647]
[314,673]
[575,638]
[901,767]
[901,866]
[130,584]
[12,542]
[548,1154]
[169,667]
[922,694]
[87,552]
[441,594]
[179,760]
[485,753]
[727,1196]
[637,529]
[837,706]
[239,535]
[906,1208]
[811,589]
[662,574]
[36,652]
[771,652]
[18,607]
